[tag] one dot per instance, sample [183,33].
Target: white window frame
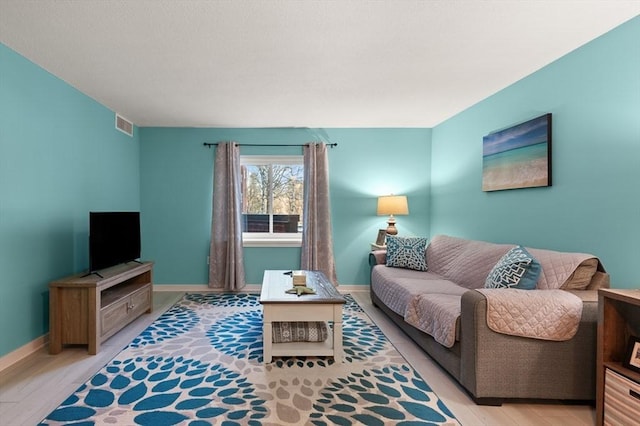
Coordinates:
[271,239]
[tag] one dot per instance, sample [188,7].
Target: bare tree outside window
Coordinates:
[272,197]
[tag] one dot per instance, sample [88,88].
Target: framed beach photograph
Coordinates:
[382,236]
[518,156]
[632,359]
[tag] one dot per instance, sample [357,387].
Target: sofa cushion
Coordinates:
[516,269]
[406,252]
[557,267]
[395,287]
[600,280]
[581,277]
[539,314]
[437,315]
[465,262]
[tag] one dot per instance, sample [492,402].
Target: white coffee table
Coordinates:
[277,305]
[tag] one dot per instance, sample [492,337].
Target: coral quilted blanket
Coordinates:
[541,314]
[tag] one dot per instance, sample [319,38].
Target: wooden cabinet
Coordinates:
[617,386]
[88,309]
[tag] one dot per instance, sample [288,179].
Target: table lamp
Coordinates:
[390,205]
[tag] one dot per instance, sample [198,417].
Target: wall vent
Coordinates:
[124,125]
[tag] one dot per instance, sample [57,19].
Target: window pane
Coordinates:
[255,200]
[272,198]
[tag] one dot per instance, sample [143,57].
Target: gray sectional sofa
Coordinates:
[533,362]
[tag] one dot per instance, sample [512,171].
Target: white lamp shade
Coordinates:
[393,204]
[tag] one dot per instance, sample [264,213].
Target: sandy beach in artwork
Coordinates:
[518,157]
[519,168]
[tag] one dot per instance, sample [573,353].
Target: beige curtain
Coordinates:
[226,266]
[317,241]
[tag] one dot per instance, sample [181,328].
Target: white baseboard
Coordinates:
[22,352]
[249,288]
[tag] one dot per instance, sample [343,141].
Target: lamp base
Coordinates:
[391,229]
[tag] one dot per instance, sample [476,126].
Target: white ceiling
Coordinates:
[286,63]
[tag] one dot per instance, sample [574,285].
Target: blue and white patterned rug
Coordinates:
[200,363]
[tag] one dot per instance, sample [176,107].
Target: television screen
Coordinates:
[114,237]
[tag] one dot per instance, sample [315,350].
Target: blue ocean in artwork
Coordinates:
[516,157]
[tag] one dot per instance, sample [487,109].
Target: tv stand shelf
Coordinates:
[88,309]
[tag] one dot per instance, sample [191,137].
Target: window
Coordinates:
[272,198]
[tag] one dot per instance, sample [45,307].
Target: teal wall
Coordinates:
[177,181]
[60,157]
[594,203]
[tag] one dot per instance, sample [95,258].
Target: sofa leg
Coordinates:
[494,402]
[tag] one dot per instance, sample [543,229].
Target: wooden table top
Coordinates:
[107,277]
[275,283]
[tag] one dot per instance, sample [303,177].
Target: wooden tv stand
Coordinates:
[88,309]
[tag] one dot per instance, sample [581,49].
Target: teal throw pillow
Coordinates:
[406,252]
[516,269]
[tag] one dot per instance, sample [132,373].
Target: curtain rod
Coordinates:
[209,145]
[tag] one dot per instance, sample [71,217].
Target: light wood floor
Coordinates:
[32,388]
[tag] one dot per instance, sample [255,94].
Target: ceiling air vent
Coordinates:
[124,125]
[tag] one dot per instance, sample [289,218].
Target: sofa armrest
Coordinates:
[495,365]
[377,257]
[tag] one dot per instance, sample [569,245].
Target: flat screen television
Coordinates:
[114,238]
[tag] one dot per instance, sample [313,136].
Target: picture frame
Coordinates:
[382,236]
[632,358]
[518,156]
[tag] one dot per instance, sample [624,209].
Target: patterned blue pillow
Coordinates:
[406,252]
[516,269]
